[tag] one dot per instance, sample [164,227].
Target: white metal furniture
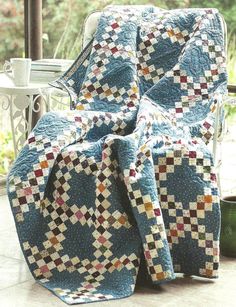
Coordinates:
[18,99]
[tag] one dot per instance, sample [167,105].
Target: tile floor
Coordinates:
[18,288]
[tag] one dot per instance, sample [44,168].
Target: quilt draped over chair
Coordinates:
[126,173]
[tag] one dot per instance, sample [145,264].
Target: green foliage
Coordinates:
[231,58]
[11,29]
[230,112]
[6,153]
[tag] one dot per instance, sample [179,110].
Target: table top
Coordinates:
[7,86]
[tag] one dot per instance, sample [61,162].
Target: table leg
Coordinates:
[12,126]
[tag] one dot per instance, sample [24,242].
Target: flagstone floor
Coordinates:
[18,288]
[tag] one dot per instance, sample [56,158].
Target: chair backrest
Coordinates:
[91,22]
[90,26]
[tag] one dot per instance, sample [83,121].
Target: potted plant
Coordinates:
[228,226]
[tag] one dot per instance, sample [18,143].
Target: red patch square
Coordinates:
[173,233]
[58,261]
[44,269]
[179,110]
[114,50]
[126,261]
[180,226]
[162,168]
[130,104]
[31,140]
[27,191]
[157,212]
[50,156]
[78,119]
[38,173]
[183,79]
[59,201]
[147,255]
[67,159]
[197,92]
[151,35]
[213,177]
[204,85]
[115,25]
[101,219]
[192,154]
[207,125]
[101,239]
[200,206]
[79,215]
[132,173]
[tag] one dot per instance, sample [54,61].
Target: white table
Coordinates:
[18,99]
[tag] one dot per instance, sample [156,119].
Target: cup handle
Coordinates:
[6,67]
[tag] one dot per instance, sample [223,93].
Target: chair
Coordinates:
[89,29]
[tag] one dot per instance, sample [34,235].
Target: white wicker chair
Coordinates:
[90,26]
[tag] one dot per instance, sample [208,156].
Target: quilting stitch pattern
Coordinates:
[127,172]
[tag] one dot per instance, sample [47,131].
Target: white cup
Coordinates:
[20,68]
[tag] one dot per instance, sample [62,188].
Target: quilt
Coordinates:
[124,181]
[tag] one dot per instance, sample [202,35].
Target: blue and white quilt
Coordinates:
[126,174]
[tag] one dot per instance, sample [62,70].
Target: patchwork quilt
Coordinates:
[124,181]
